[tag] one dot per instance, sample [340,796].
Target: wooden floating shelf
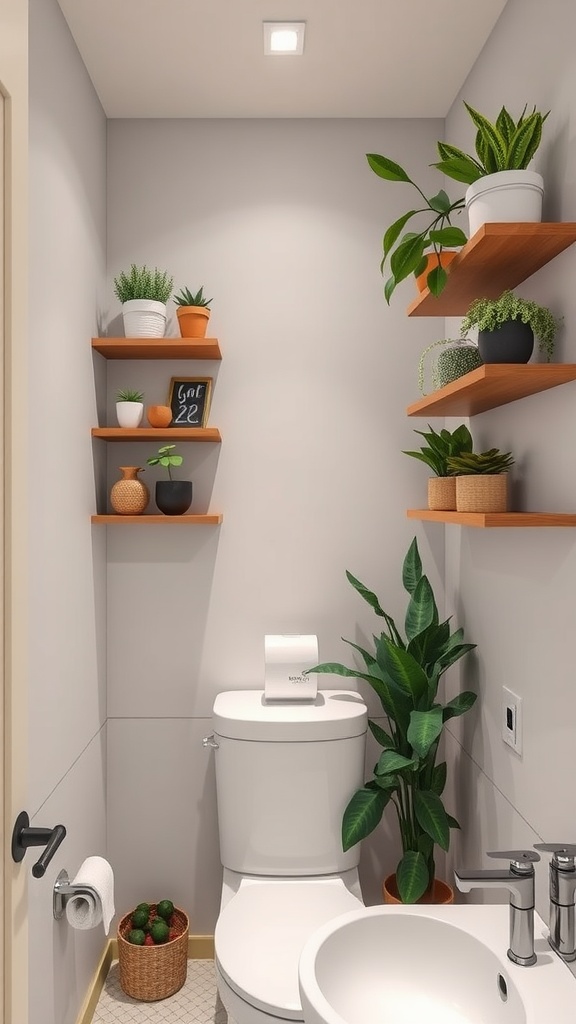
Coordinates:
[157,348]
[492,385]
[491,519]
[157,434]
[196,520]
[497,257]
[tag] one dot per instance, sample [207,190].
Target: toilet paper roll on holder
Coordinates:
[64,889]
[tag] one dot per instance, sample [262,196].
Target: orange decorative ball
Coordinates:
[159,415]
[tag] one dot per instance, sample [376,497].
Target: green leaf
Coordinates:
[391,761]
[380,735]
[336,669]
[394,230]
[425,845]
[412,567]
[430,459]
[406,257]
[460,705]
[362,815]
[436,281]
[440,203]
[368,595]
[386,168]
[490,134]
[412,877]
[439,775]
[461,169]
[421,266]
[449,236]
[452,821]
[448,152]
[454,655]
[431,817]
[176,460]
[505,125]
[402,670]
[421,611]
[424,729]
[524,143]
[389,288]
[368,658]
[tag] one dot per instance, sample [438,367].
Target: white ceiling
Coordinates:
[204,58]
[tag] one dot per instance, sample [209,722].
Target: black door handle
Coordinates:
[24,836]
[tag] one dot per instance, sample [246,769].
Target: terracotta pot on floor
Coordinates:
[440,894]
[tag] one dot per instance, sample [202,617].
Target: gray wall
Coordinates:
[282,223]
[515,588]
[67,561]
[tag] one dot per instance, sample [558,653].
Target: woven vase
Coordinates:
[442,493]
[129,496]
[482,493]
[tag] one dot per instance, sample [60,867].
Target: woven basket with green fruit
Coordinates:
[153,950]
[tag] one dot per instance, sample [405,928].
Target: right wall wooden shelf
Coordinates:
[491,385]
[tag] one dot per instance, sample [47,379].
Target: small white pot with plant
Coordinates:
[129,407]
[500,186]
[143,294]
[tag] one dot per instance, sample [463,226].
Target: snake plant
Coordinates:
[505,145]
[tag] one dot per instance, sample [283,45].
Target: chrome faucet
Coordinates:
[562,936]
[519,880]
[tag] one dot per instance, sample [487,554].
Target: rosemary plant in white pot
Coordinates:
[143,294]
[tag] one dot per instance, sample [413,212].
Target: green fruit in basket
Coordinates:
[165,909]
[144,906]
[136,937]
[140,918]
[160,931]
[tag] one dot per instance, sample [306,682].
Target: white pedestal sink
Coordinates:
[438,965]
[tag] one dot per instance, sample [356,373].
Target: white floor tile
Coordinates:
[197,1002]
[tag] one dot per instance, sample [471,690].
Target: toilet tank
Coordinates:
[284,775]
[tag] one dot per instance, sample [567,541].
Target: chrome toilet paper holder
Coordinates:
[64,889]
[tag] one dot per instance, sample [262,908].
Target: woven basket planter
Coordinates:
[482,493]
[442,493]
[153,972]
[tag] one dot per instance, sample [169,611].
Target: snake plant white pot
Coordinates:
[505,197]
[129,414]
[144,318]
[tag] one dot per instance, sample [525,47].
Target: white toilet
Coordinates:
[284,775]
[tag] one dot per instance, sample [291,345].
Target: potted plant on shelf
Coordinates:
[173,497]
[481,480]
[507,327]
[193,312]
[406,253]
[500,187]
[435,455]
[404,672]
[460,357]
[153,950]
[129,407]
[143,294]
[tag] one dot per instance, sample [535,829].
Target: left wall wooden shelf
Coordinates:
[208,519]
[157,348]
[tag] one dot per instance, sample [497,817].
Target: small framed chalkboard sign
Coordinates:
[189,399]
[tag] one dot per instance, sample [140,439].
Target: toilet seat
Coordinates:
[261,931]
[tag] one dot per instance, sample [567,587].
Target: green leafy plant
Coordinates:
[186,298]
[505,145]
[404,671]
[489,314]
[128,395]
[143,283]
[166,457]
[406,252]
[472,463]
[441,446]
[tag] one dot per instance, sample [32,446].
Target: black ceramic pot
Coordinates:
[511,342]
[173,497]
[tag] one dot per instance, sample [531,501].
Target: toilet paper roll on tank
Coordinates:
[286,657]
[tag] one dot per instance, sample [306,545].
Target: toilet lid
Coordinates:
[260,934]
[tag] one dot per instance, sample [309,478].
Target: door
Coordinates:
[13,494]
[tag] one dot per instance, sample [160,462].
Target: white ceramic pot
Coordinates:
[129,414]
[505,197]
[144,318]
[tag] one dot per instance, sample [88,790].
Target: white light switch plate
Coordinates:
[512,719]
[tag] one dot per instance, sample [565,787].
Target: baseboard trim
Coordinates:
[200,947]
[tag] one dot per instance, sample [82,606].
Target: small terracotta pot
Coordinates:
[159,415]
[442,493]
[446,257]
[193,321]
[439,894]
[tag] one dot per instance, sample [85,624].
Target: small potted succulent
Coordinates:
[435,454]
[507,327]
[153,950]
[129,407]
[410,253]
[405,672]
[173,497]
[500,186]
[481,480]
[193,312]
[143,294]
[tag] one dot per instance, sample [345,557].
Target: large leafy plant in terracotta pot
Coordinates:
[404,670]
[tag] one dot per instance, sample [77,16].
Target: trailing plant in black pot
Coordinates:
[405,671]
[173,497]
[507,327]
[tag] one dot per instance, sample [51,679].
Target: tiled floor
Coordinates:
[197,1002]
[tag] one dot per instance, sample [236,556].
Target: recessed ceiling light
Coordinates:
[283,37]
